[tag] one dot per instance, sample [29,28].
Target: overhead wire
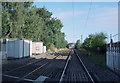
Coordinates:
[86,22]
[90,7]
[113,37]
[116,35]
[73,25]
[87,17]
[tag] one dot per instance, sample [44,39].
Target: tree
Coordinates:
[77,45]
[13,14]
[93,41]
[22,20]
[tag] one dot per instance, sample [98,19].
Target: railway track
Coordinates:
[21,72]
[52,70]
[31,71]
[68,67]
[75,71]
[7,70]
[19,64]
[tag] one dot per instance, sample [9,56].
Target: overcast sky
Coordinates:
[84,18]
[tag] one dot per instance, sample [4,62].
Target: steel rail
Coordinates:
[85,68]
[35,70]
[62,75]
[25,65]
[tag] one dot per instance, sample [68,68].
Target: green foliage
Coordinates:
[93,41]
[22,20]
[97,59]
[78,45]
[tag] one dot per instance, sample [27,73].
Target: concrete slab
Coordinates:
[40,79]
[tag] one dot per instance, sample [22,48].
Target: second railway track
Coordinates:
[30,72]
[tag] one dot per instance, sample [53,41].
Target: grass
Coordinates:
[97,59]
[100,60]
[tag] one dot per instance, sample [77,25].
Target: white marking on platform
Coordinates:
[29,80]
[40,79]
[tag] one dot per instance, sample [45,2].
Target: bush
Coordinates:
[78,45]
[52,47]
[94,41]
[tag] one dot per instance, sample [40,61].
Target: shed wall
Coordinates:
[26,48]
[16,48]
[37,47]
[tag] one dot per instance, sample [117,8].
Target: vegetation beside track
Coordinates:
[24,20]
[94,47]
[97,59]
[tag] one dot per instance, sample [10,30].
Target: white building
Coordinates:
[16,48]
[37,47]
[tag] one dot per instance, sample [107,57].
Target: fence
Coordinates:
[113,54]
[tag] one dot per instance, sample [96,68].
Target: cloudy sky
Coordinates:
[84,18]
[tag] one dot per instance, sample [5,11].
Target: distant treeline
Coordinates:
[93,43]
[23,20]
